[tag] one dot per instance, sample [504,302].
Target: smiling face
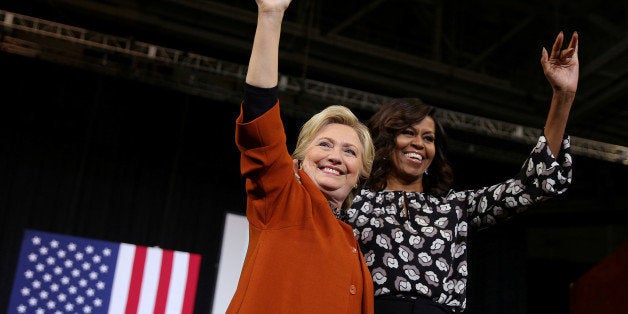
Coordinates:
[413,153]
[333,161]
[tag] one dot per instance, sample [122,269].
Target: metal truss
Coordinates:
[197,74]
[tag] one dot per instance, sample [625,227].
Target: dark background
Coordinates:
[114,157]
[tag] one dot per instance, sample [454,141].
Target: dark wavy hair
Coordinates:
[391,119]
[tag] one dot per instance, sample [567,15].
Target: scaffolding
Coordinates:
[201,75]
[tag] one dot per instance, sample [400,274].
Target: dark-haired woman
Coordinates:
[412,227]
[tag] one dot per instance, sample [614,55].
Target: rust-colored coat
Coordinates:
[300,258]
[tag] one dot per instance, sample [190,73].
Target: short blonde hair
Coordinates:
[339,115]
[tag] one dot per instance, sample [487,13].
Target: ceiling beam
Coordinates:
[190,77]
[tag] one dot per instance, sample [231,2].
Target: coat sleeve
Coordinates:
[274,196]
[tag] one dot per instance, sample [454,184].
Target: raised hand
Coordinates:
[263,64]
[269,6]
[561,65]
[561,70]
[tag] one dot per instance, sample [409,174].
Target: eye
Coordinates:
[351,152]
[325,144]
[408,131]
[429,138]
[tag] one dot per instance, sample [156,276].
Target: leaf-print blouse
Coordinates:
[416,244]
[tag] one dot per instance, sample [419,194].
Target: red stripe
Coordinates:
[164,281]
[136,280]
[190,287]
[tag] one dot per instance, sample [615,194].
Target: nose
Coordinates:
[334,155]
[417,142]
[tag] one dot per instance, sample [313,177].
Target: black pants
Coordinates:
[396,305]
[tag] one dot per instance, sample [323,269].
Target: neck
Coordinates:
[334,204]
[397,184]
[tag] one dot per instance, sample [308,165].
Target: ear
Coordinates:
[296,166]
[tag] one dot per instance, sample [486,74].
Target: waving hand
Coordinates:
[561,65]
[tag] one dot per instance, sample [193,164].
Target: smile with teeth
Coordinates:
[414,156]
[330,170]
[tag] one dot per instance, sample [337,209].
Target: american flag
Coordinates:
[66,274]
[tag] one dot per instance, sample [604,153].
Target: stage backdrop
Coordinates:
[110,158]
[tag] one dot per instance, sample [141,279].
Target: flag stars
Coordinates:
[78,256]
[64,276]
[100,285]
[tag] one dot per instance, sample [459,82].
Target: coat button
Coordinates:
[352,289]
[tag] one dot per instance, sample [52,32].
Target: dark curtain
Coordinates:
[101,157]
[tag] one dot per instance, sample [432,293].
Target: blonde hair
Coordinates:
[339,115]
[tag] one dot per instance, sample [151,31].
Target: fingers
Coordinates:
[558,43]
[544,56]
[558,53]
[567,53]
[573,43]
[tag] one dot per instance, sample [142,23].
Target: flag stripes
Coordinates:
[61,274]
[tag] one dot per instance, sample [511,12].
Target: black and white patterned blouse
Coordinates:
[416,244]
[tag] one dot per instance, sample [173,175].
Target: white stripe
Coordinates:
[150,281]
[121,278]
[178,279]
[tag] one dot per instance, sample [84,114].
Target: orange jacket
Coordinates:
[300,258]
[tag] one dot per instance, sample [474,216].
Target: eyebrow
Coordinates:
[336,142]
[418,130]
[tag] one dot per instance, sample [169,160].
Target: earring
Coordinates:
[425,172]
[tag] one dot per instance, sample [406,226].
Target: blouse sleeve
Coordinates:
[541,177]
[257,101]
